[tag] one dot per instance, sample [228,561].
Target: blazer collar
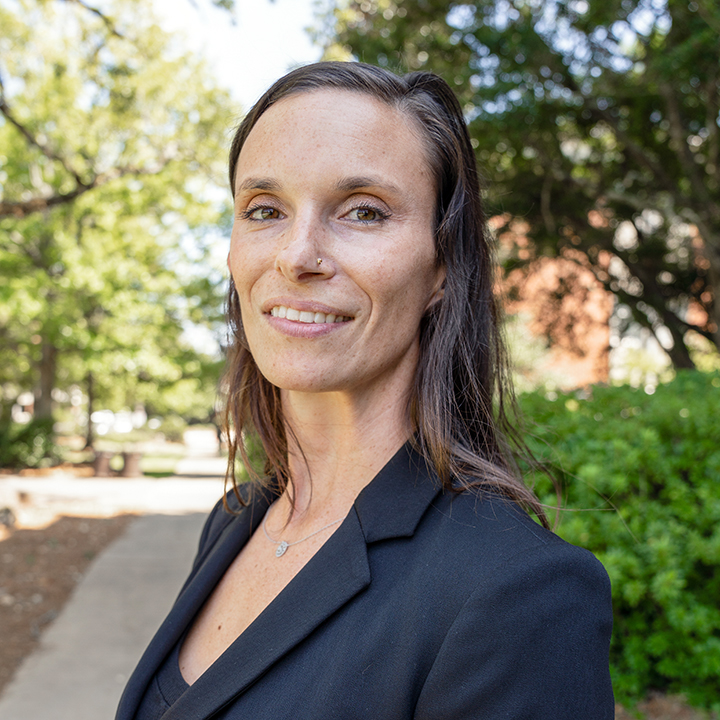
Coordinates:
[396,499]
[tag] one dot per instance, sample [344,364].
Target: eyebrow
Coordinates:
[348,184]
[364,181]
[252,183]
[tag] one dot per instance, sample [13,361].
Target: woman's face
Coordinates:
[338,177]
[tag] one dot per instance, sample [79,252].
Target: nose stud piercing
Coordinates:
[319,262]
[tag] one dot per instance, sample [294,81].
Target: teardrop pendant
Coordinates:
[281,548]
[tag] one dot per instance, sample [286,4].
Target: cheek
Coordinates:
[233,259]
[408,279]
[243,267]
[244,283]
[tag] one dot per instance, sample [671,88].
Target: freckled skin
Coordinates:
[376,241]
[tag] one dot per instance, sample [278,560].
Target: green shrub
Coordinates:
[173,427]
[641,475]
[30,445]
[257,457]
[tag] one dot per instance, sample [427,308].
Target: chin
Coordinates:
[303,383]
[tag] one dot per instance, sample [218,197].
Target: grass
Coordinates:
[159,466]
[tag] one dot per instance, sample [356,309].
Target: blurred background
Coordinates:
[596,128]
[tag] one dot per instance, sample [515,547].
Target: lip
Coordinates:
[293,328]
[304,306]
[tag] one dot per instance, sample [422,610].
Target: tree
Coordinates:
[112,153]
[596,121]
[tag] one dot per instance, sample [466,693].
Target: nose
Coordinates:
[300,256]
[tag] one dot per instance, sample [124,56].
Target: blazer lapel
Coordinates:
[335,574]
[390,506]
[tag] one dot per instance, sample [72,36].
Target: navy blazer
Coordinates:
[423,604]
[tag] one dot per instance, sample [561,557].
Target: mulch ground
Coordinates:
[662,707]
[39,568]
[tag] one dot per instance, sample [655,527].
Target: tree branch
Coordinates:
[686,160]
[33,140]
[633,148]
[21,209]
[109,24]
[545,198]
[707,15]
[24,208]
[713,151]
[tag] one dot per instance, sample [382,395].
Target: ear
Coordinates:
[438,289]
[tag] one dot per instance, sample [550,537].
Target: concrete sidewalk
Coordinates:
[197,486]
[86,656]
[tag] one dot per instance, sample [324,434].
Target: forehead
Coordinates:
[325,128]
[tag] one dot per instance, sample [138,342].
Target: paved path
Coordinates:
[87,654]
[196,486]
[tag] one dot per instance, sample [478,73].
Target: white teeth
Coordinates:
[305,316]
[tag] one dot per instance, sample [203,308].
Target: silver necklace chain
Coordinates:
[283,545]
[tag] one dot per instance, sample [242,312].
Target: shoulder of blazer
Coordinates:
[494,535]
[227,511]
[218,519]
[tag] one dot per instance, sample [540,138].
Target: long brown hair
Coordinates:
[462,404]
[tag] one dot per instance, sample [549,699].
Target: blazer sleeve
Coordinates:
[530,643]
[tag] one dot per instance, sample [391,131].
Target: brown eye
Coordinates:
[366,215]
[262,213]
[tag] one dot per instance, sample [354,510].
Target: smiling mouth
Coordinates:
[304,316]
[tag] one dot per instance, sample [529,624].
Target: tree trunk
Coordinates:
[714,278]
[90,435]
[679,353]
[48,367]
[680,357]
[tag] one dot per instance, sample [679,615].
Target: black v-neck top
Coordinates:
[165,688]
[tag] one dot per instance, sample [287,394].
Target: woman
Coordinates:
[387,570]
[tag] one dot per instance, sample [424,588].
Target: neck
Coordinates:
[337,444]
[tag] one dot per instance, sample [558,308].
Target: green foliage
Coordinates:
[173,427]
[596,122]
[112,175]
[28,445]
[642,480]
[256,456]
